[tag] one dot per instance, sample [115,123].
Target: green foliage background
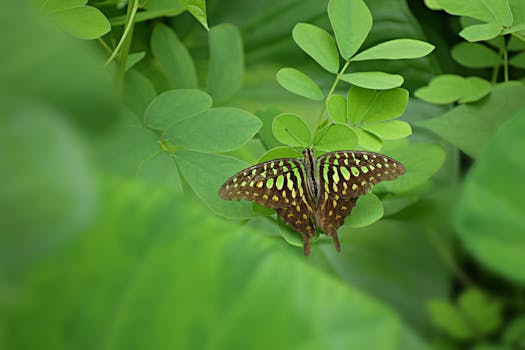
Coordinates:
[120,120]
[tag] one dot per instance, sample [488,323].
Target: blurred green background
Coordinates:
[98,253]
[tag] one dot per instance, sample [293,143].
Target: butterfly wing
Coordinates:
[277,184]
[344,177]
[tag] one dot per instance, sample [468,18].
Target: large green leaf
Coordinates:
[421,161]
[317,43]
[205,173]
[161,170]
[471,126]
[489,219]
[48,185]
[336,107]
[395,50]
[496,11]
[221,129]
[187,280]
[173,57]
[380,260]
[351,21]
[226,70]
[175,105]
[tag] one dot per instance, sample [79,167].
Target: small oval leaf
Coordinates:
[335,137]
[395,50]
[373,80]
[291,129]
[368,210]
[318,44]
[299,83]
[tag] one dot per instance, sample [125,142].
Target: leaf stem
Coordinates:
[104,45]
[332,89]
[134,5]
[448,258]
[505,64]
[519,36]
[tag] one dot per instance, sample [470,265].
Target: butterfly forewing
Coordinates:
[273,184]
[277,184]
[350,174]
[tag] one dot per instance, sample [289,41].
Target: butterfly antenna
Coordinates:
[296,139]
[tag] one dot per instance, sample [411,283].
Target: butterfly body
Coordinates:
[312,192]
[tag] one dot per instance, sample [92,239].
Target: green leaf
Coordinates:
[279,152]
[205,173]
[226,67]
[479,32]
[485,116]
[173,57]
[266,134]
[365,105]
[160,170]
[154,9]
[514,334]
[389,130]
[373,80]
[128,262]
[359,102]
[85,22]
[138,91]
[421,161]
[381,261]
[368,210]
[443,89]
[446,317]
[198,10]
[367,140]
[518,60]
[291,129]
[337,108]
[474,55]
[433,4]
[496,11]
[489,219]
[221,129]
[483,313]
[515,44]
[335,137]
[318,44]
[351,21]
[299,83]
[48,187]
[57,5]
[396,49]
[174,106]
[134,58]
[475,89]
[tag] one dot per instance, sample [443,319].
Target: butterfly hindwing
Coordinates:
[344,176]
[350,174]
[299,217]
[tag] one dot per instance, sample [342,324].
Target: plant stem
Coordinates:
[505,64]
[332,89]
[448,258]
[133,6]
[521,37]
[105,46]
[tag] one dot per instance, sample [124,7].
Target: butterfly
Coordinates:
[312,192]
